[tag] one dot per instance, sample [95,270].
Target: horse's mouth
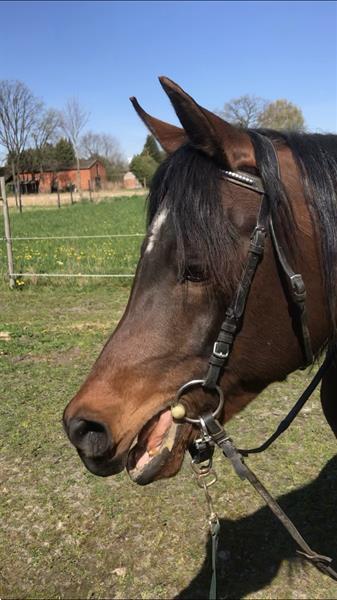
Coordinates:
[154,453]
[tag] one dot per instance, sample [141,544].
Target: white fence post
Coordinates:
[7,233]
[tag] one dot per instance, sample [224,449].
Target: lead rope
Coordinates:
[217,434]
[202,452]
[206,477]
[213,432]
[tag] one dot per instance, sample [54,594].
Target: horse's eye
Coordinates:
[195,274]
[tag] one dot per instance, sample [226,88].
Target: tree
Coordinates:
[102,145]
[282,114]
[19,113]
[46,130]
[72,121]
[105,147]
[30,160]
[145,164]
[252,111]
[49,157]
[144,167]
[243,111]
[151,149]
[115,169]
[44,135]
[64,153]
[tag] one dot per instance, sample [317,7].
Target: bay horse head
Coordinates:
[199,228]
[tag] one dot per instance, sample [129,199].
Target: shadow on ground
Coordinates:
[252,549]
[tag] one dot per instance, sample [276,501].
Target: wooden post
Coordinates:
[79,188]
[58,196]
[18,184]
[7,233]
[90,194]
[19,194]
[14,185]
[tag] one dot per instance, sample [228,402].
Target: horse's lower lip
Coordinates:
[151,470]
[143,465]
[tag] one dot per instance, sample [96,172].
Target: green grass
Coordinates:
[68,534]
[86,256]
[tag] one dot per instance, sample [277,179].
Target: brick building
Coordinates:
[92,174]
[130,181]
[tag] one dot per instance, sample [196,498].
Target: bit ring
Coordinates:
[199,383]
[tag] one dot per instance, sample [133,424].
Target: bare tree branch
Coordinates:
[19,113]
[47,128]
[243,111]
[100,144]
[73,119]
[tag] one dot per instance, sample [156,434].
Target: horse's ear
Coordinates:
[208,132]
[169,137]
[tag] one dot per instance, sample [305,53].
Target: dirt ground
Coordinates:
[65,198]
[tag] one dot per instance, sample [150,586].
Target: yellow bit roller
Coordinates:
[178,411]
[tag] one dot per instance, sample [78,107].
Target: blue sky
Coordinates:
[104,52]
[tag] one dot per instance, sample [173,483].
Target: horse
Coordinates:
[202,211]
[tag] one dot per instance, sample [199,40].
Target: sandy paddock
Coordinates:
[51,199]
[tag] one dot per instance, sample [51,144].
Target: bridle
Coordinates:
[212,433]
[294,281]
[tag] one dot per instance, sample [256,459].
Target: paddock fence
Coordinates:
[8,239]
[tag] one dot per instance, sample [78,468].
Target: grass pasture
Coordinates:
[66,256]
[68,534]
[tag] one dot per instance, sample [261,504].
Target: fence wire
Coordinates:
[75,237]
[73,275]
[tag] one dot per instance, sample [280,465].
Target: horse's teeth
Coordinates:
[153,451]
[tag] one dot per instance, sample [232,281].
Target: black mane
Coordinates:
[188,183]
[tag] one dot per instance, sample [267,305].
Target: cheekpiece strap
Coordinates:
[232,322]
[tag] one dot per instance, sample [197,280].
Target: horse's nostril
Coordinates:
[92,438]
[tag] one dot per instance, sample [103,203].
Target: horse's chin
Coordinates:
[158,450]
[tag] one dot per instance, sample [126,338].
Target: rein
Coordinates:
[212,433]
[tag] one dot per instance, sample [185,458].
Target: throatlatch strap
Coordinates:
[295,281]
[298,294]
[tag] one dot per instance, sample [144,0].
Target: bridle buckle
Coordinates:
[219,353]
[298,287]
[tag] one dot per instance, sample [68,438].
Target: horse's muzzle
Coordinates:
[95,446]
[89,437]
